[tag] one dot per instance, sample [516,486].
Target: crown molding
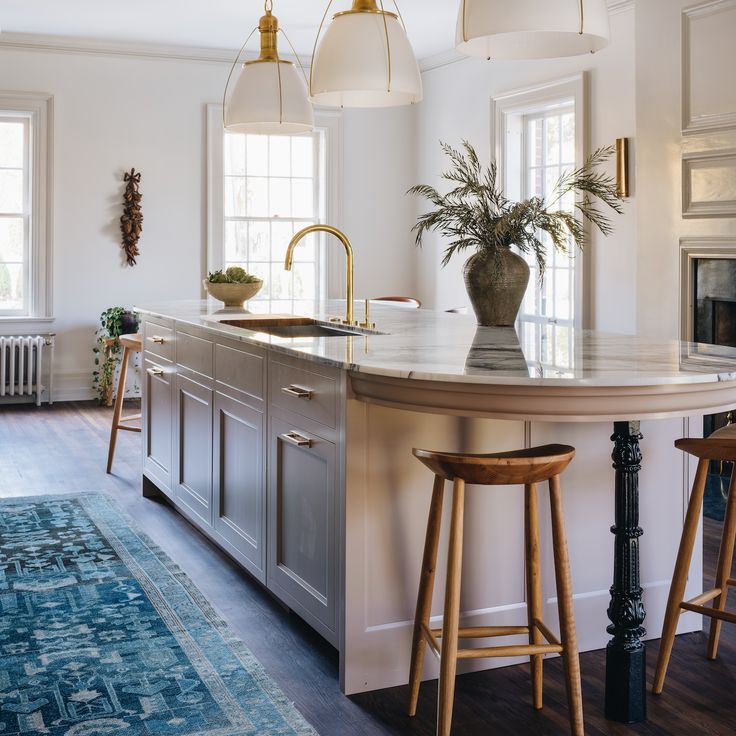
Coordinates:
[76,45]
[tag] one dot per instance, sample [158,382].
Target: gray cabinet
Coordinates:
[193,468]
[303,522]
[239,482]
[158,426]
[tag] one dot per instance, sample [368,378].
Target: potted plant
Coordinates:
[233,287]
[114,322]
[476,215]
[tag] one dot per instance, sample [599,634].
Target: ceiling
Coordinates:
[211,23]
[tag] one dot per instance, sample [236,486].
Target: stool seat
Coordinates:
[721,446]
[532,465]
[132,342]
[527,467]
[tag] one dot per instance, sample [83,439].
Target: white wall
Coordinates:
[113,112]
[457,105]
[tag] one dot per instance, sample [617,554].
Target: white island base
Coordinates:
[387,501]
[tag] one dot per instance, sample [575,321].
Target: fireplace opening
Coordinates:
[714,323]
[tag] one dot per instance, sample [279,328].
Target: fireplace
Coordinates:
[714,323]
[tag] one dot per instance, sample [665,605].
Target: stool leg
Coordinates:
[725,561]
[533,587]
[679,577]
[426,588]
[568,636]
[451,620]
[118,410]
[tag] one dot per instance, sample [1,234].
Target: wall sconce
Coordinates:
[622,167]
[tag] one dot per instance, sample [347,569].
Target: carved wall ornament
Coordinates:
[131,222]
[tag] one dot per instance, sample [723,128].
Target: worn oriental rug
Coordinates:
[101,634]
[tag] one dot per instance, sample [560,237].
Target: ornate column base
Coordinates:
[626,691]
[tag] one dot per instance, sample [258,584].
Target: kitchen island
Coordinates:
[291,449]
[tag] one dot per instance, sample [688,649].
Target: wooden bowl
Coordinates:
[234,295]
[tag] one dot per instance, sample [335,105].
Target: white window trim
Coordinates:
[332,275]
[532,99]
[40,109]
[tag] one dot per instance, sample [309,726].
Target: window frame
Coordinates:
[37,109]
[330,124]
[520,104]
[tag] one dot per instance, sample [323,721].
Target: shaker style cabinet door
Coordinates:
[193,469]
[239,482]
[302,524]
[158,423]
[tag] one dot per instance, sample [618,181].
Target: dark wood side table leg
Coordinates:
[626,654]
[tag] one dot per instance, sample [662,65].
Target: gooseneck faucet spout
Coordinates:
[350,261]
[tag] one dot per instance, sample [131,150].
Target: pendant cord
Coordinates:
[316,41]
[582,17]
[232,69]
[465,13]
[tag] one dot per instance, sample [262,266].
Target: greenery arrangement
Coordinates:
[476,214]
[233,275]
[114,322]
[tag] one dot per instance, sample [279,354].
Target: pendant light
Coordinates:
[270,97]
[531,29]
[364,60]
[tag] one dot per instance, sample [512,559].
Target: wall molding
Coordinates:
[692,162]
[694,124]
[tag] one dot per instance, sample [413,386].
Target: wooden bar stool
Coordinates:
[130,343]
[721,445]
[529,467]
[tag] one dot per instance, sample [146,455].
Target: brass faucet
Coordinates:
[350,266]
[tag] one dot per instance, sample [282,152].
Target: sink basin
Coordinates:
[296,327]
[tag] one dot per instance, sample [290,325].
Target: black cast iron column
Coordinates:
[625,654]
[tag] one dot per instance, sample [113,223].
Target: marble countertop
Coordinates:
[435,346]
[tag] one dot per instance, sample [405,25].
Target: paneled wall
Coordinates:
[686,137]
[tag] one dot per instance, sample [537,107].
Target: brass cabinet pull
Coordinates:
[298,391]
[157,339]
[297,439]
[156,372]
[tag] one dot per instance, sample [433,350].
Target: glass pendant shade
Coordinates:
[531,29]
[365,59]
[270,96]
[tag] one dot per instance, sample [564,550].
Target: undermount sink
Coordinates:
[296,327]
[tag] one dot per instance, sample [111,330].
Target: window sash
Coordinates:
[26,213]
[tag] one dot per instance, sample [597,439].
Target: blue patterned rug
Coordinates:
[101,634]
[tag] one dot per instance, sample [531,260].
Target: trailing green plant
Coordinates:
[107,352]
[233,275]
[476,214]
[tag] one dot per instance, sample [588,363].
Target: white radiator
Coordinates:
[23,363]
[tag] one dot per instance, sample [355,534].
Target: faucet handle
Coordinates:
[367,324]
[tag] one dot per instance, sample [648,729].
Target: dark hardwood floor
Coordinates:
[64,448]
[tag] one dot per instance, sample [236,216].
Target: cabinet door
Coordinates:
[239,482]
[158,423]
[302,524]
[194,448]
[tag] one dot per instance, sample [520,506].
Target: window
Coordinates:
[266,190]
[24,247]
[538,137]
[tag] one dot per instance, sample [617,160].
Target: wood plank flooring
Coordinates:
[64,448]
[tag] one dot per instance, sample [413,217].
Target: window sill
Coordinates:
[29,325]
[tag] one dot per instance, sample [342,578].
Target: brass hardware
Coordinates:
[622,167]
[367,324]
[157,339]
[350,261]
[155,372]
[297,439]
[582,17]
[298,391]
